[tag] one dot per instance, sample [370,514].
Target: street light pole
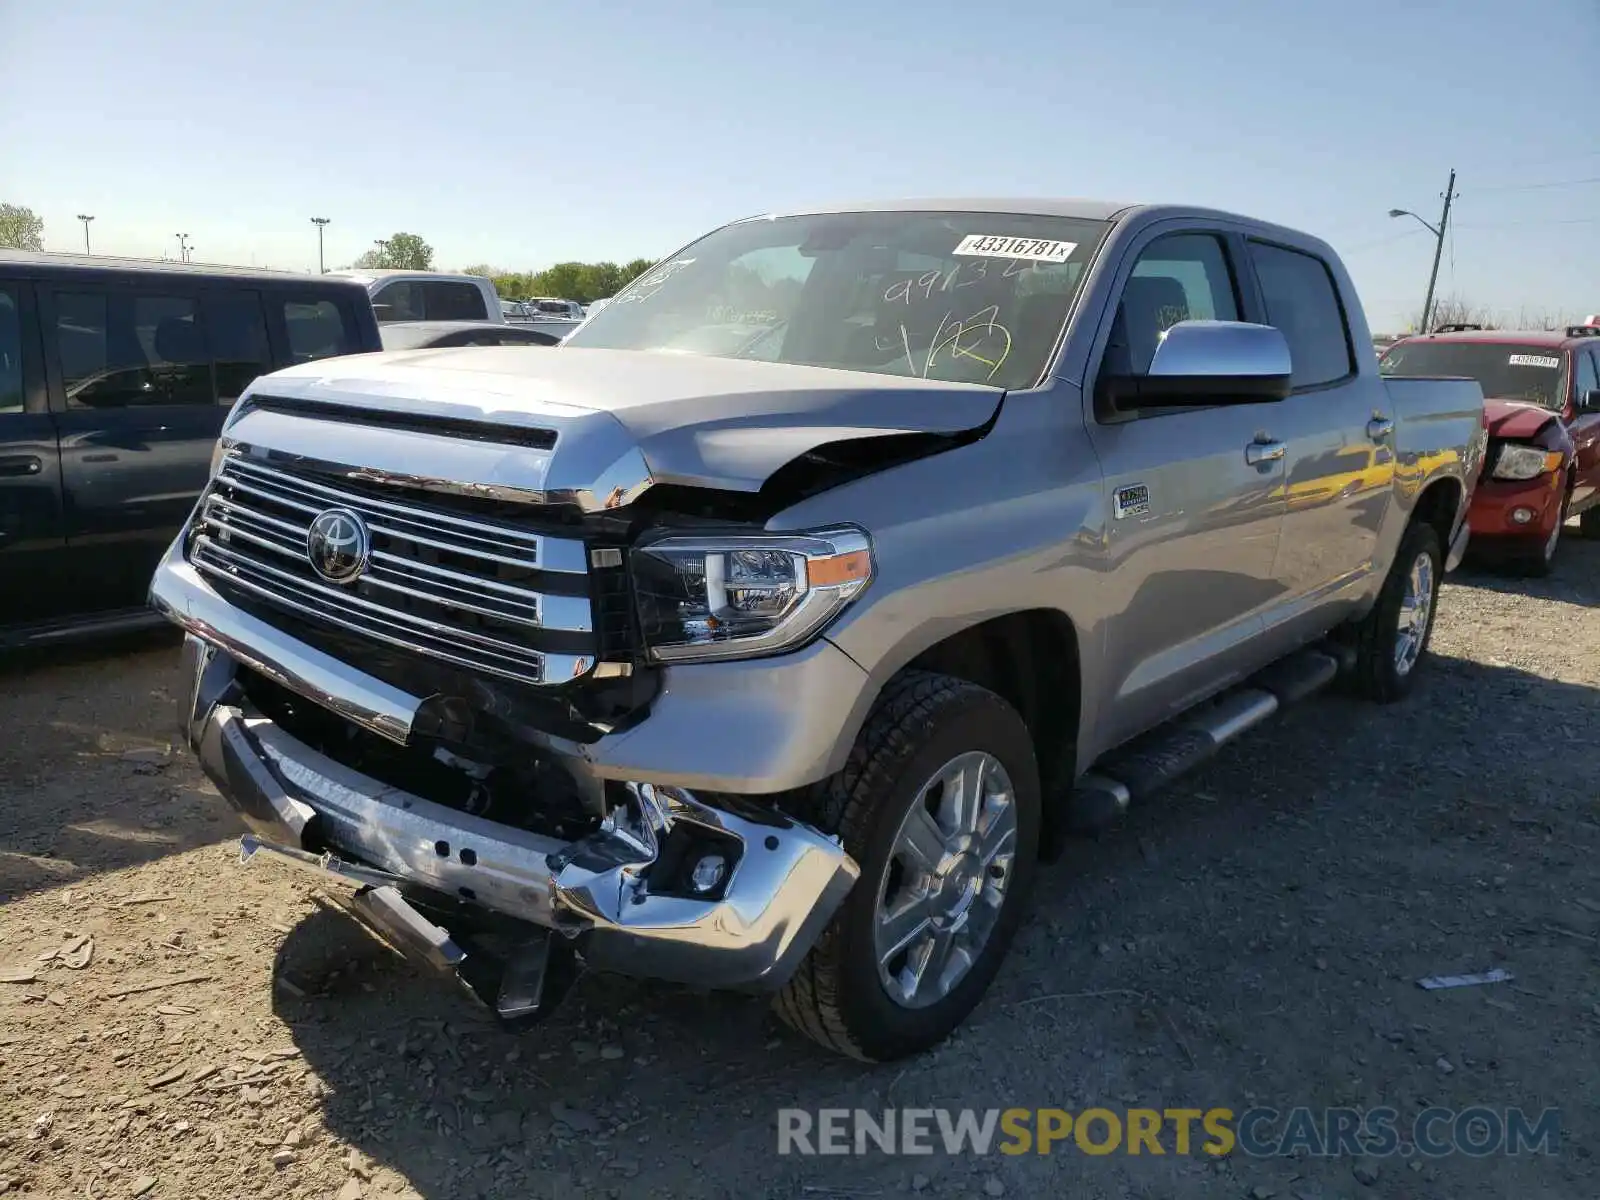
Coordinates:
[183,246]
[1438,244]
[320,222]
[85,218]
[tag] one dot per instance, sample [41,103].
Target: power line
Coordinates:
[1547,162]
[1535,187]
[1540,222]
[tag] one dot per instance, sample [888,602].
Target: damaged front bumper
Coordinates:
[430,879]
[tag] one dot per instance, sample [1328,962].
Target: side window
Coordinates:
[1303,303]
[1179,277]
[398,302]
[316,329]
[121,349]
[11,393]
[453,302]
[1588,374]
[237,331]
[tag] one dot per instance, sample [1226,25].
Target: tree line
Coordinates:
[22,229]
[584,282]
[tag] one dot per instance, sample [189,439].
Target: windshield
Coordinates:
[1505,370]
[961,297]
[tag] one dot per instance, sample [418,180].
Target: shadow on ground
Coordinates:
[1575,577]
[91,776]
[1253,938]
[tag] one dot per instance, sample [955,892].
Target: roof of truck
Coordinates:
[1092,210]
[1079,208]
[392,272]
[112,262]
[1555,339]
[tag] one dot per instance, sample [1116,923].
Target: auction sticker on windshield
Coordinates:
[990,245]
[1536,360]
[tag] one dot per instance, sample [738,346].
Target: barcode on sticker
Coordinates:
[990,245]
[1536,360]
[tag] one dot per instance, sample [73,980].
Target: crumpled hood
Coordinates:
[695,420]
[1516,419]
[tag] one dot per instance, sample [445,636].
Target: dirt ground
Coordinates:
[1254,938]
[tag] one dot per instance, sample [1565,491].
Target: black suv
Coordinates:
[115,377]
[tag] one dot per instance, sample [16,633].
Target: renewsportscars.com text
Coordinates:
[1259,1132]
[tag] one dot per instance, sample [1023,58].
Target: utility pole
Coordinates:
[1438,245]
[85,218]
[1438,249]
[320,222]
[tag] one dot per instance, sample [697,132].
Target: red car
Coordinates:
[1543,416]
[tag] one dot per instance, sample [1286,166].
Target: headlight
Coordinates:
[704,598]
[1525,462]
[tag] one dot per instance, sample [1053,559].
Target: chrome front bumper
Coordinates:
[786,882]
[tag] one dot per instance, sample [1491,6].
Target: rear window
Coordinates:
[237,330]
[429,300]
[1504,370]
[316,329]
[453,302]
[10,354]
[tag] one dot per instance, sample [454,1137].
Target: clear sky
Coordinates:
[521,133]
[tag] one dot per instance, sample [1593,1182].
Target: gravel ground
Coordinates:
[1254,938]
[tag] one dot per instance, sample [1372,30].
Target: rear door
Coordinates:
[137,413]
[1338,429]
[1195,497]
[32,533]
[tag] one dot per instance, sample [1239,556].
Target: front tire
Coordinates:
[939,804]
[1589,523]
[1540,561]
[1392,640]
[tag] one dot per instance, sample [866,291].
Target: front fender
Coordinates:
[1012,522]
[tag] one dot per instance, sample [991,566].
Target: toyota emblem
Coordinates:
[338,544]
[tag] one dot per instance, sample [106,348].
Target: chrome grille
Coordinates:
[480,594]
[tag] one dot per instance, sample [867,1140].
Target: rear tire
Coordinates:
[1392,640]
[1589,523]
[851,995]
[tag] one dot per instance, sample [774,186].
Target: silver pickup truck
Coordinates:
[771,630]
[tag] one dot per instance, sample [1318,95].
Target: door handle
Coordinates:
[21,464]
[1380,427]
[1262,452]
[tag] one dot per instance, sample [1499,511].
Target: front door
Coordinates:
[32,536]
[1585,429]
[138,418]
[1195,499]
[1338,427]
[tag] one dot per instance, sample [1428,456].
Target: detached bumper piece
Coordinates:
[731,895]
[520,984]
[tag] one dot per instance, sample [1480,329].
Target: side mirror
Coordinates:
[1590,403]
[1198,364]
